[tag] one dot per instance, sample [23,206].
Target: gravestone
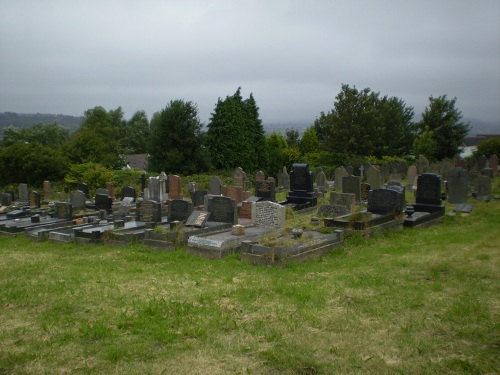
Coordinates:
[385,171]
[473,175]
[198,197]
[124,208]
[63,210]
[422,164]
[35,199]
[483,187]
[472,163]
[6,199]
[340,173]
[493,163]
[164,186]
[259,176]
[403,168]
[77,200]
[321,182]
[365,188]
[482,162]
[458,185]
[301,187]
[192,186]
[85,188]
[266,190]
[280,179]
[350,170]
[197,219]
[434,168]
[174,187]
[394,177]
[23,193]
[103,202]
[154,189]
[342,199]
[46,190]
[179,210]
[428,189]
[102,191]
[268,214]
[222,209]
[286,179]
[148,211]
[400,190]
[111,189]
[444,168]
[239,177]
[330,210]
[384,201]
[215,186]
[373,177]
[128,191]
[234,192]
[246,210]
[411,175]
[352,185]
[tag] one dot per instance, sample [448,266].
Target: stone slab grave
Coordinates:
[301,194]
[427,208]
[330,210]
[19,225]
[384,205]
[291,248]
[98,233]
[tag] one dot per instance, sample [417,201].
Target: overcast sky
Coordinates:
[69,56]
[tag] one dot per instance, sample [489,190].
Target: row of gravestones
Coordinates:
[471,163]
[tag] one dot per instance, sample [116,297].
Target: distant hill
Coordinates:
[25,120]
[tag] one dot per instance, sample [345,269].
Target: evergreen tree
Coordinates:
[134,134]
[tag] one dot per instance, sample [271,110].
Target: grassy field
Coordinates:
[410,302]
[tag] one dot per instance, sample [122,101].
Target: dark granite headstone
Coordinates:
[85,188]
[266,190]
[301,178]
[128,191]
[103,202]
[428,189]
[197,219]
[384,201]
[148,211]
[179,210]
[222,209]
[401,190]
[352,185]
[35,199]
[63,210]
[6,199]
[198,197]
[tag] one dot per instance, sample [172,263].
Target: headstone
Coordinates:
[128,191]
[198,197]
[124,208]
[321,182]
[102,191]
[401,191]
[23,193]
[472,163]
[434,168]
[63,210]
[301,178]
[197,219]
[35,199]
[352,185]
[269,214]
[46,190]
[103,202]
[365,189]
[246,210]
[493,163]
[403,168]
[179,210]
[280,179]
[340,173]
[6,199]
[154,189]
[192,186]
[384,201]
[428,189]
[350,170]
[373,177]
[330,210]
[164,185]
[458,185]
[215,186]
[266,190]
[422,164]
[234,192]
[85,188]
[222,209]
[412,173]
[148,211]
[482,162]
[111,189]
[341,199]
[385,171]
[259,176]
[77,200]
[174,187]
[239,177]
[473,175]
[444,168]
[286,179]
[394,177]
[483,187]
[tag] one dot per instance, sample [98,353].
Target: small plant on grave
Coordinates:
[326,230]
[180,230]
[159,229]
[108,235]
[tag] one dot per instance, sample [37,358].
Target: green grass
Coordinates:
[414,301]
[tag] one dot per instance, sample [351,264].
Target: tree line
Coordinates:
[361,124]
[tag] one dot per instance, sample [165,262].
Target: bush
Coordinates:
[488,148]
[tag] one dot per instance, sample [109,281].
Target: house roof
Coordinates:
[137,161]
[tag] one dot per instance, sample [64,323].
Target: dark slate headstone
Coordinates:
[428,189]
[401,190]
[77,200]
[352,185]
[179,210]
[128,191]
[35,199]
[330,210]
[102,191]
[148,211]
[384,201]
[6,199]
[458,185]
[103,202]
[266,190]
[365,189]
[197,219]
[222,209]
[301,178]
[198,197]
[63,210]
[215,186]
[123,209]
[85,188]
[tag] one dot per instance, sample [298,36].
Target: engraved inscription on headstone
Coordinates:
[197,219]
[428,189]
[270,214]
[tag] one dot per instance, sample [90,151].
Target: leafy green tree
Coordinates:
[177,142]
[53,135]
[236,135]
[488,147]
[135,133]
[97,139]
[292,137]
[277,152]
[425,144]
[444,120]
[309,142]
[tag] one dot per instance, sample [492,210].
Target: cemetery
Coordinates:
[247,217]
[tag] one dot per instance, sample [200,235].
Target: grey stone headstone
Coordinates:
[483,187]
[422,164]
[350,170]
[222,209]
[215,186]
[384,201]
[198,197]
[411,174]
[286,179]
[330,210]
[77,200]
[482,162]
[6,199]
[23,193]
[269,214]
[458,185]
[373,177]
[352,185]
[85,188]
[340,173]
[179,210]
[341,199]
[321,181]
[385,171]
[154,187]
[239,177]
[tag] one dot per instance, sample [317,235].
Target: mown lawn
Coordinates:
[413,301]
